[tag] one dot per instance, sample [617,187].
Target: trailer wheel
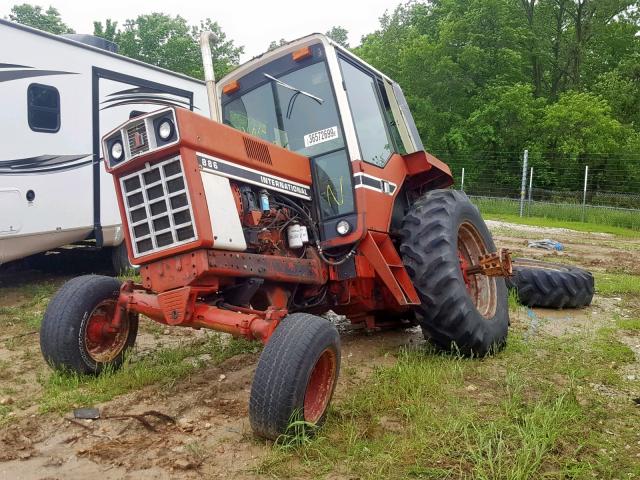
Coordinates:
[296,375]
[120,260]
[443,234]
[551,285]
[75,333]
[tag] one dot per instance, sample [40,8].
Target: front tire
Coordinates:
[296,375]
[75,331]
[442,232]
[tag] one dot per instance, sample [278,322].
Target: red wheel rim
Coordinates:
[320,386]
[102,341]
[482,289]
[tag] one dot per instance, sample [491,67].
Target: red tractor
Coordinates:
[311,193]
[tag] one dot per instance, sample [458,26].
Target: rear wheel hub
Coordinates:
[482,289]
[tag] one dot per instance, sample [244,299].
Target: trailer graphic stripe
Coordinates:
[44,164]
[8,75]
[255,177]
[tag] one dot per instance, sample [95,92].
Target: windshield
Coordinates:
[296,111]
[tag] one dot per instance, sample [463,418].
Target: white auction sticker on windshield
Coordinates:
[320,136]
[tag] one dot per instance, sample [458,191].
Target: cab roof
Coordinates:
[263,59]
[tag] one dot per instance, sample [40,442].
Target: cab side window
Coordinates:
[375,143]
[43,103]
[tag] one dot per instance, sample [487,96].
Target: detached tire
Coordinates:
[296,375]
[74,334]
[442,232]
[551,285]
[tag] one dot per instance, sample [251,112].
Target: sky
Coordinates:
[253,24]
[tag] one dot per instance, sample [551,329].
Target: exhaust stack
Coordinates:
[209,75]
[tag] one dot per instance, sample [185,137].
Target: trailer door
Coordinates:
[117,97]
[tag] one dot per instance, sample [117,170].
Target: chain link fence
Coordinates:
[608,196]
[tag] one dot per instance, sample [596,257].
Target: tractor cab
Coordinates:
[315,98]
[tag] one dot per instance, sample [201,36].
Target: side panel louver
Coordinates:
[257,151]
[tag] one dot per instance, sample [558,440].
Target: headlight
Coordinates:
[343,227]
[165,129]
[117,151]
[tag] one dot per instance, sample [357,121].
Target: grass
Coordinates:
[66,390]
[621,223]
[28,313]
[617,283]
[556,223]
[529,412]
[631,324]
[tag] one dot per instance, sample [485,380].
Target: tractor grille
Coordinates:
[158,207]
[138,139]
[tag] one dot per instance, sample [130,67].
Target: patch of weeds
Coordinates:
[617,284]
[130,273]
[197,452]
[65,390]
[298,434]
[628,323]
[29,313]
[527,412]
[5,370]
[514,301]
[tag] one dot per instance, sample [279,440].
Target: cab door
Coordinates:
[379,169]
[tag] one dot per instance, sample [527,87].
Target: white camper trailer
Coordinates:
[59,95]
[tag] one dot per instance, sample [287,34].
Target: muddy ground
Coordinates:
[211,437]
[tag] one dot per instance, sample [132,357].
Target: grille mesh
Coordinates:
[158,207]
[138,139]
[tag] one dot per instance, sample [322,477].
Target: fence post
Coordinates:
[530,188]
[584,191]
[462,181]
[523,185]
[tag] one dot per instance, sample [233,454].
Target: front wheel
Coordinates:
[443,235]
[296,375]
[76,332]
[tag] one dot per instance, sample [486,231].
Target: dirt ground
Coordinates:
[211,437]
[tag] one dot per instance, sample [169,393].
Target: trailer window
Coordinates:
[43,102]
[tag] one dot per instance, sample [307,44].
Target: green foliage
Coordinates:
[339,35]
[529,412]
[273,45]
[487,78]
[171,43]
[617,284]
[36,17]
[66,390]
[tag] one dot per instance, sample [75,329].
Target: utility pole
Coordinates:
[523,185]
[462,181]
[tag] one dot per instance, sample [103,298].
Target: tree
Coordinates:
[108,31]
[35,17]
[273,45]
[339,35]
[171,43]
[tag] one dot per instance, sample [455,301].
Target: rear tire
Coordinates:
[296,375]
[551,285]
[72,335]
[473,317]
